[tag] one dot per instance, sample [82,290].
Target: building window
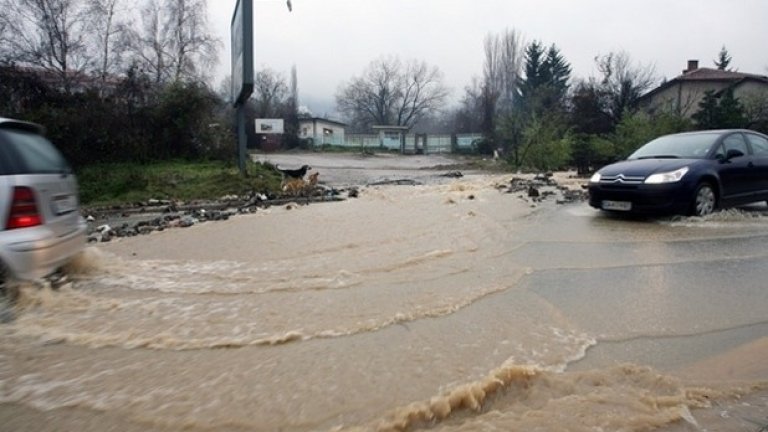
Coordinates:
[327,131]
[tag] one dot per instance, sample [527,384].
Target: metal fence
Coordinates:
[412,143]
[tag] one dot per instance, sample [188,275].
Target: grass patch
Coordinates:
[113,184]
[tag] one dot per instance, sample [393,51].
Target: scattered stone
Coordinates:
[175,214]
[146,229]
[453,174]
[542,187]
[398,182]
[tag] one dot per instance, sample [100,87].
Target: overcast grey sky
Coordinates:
[330,41]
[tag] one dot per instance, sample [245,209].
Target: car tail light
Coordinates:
[24,212]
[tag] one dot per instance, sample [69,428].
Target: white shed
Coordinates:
[322,131]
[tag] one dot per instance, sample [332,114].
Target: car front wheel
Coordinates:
[704,201]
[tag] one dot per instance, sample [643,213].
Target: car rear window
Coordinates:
[25,152]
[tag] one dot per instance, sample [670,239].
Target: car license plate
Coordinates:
[64,204]
[617,205]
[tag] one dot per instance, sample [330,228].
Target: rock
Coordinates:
[397,182]
[453,174]
[187,221]
[533,192]
[353,193]
[146,229]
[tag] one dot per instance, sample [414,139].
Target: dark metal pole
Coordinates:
[242,138]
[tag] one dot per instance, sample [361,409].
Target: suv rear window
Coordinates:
[23,152]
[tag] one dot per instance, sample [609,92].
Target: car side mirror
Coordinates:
[733,153]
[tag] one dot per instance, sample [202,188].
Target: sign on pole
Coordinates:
[242,70]
[242,51]
[270,126]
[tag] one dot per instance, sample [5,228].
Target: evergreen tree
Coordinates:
[537,125]
[589,111]
[545,86]
[707,115]
[731,113]
[720,112]
[723,59]
[558,73]
[534,76]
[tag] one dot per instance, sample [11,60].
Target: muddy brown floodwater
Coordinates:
[450,306]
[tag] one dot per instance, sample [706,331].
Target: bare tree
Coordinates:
[173,42]
[502,70]
[392,93]
[623,81]
[468,118]
[152,43]
[194,48]
[504,55]
[47,34]
[109,32]
[5,37]
[225,89]
[270,93]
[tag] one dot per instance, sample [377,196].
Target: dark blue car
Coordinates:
[690,173]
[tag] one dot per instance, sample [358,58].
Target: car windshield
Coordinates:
[31,153]
[687,146]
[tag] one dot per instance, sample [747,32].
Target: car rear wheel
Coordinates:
[704,200]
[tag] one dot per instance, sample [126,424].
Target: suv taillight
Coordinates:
[24,212]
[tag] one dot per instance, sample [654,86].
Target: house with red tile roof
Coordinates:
[682,94]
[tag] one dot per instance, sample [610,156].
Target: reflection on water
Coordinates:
[451,306]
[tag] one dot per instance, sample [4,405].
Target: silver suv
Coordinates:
[41,228]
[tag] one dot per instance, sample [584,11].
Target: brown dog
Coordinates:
[293,186]
[299,187]
[313,179]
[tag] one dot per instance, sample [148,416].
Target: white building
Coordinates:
[322,131]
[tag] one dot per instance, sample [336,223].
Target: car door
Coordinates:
[736,173]
[759,144]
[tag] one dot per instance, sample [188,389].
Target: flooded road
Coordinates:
[451,306]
